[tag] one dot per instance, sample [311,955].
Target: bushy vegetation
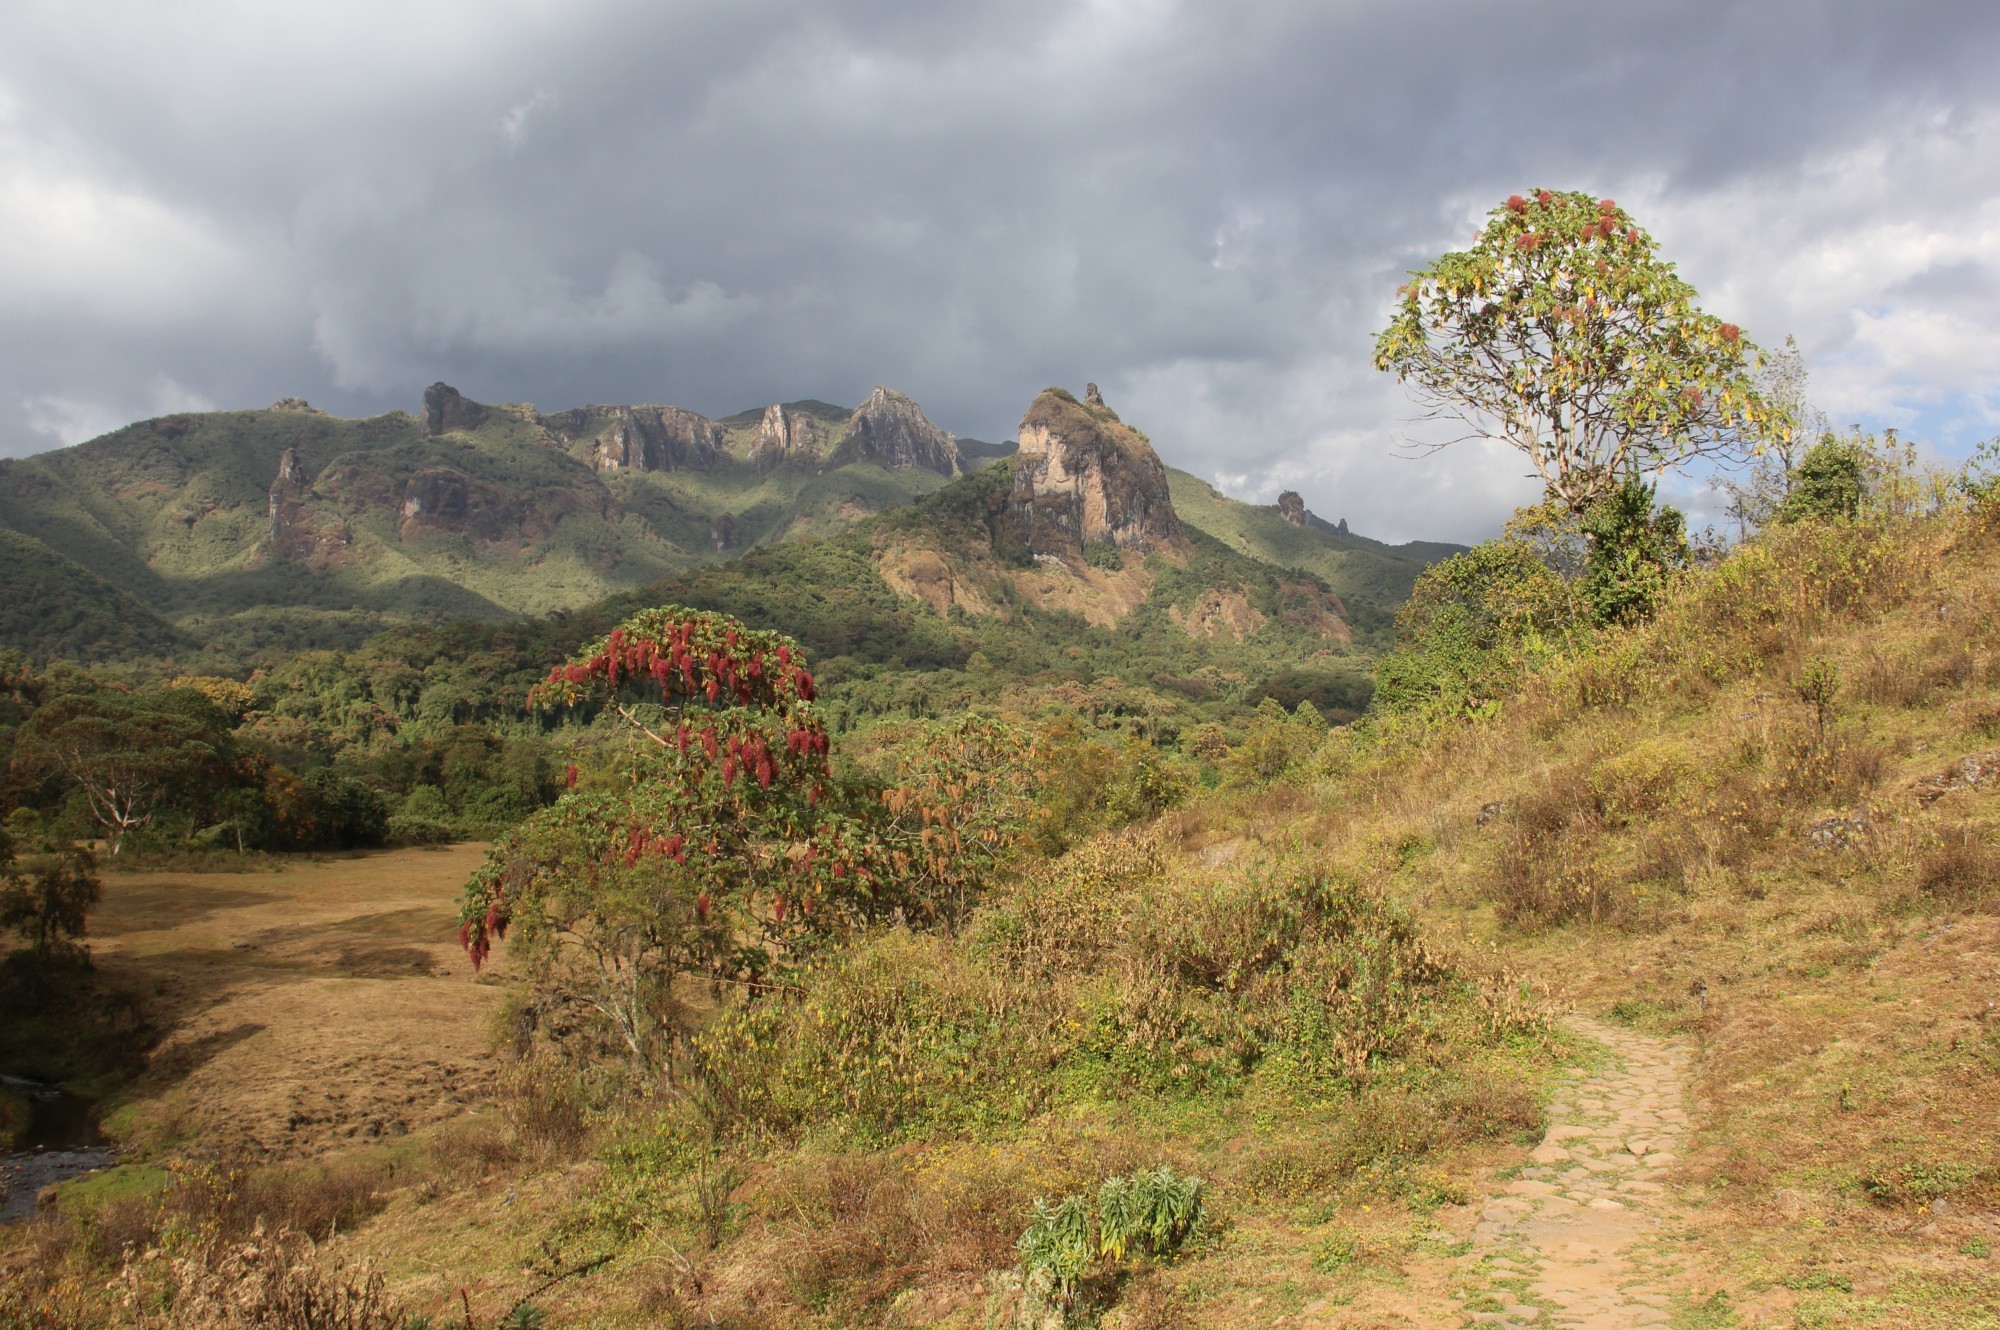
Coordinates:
[827,1011]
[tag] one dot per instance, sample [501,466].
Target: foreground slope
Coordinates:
[1748,844]
[1762,825]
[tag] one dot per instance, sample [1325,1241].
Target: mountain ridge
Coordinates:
[288,523]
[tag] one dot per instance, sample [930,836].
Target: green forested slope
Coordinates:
[52,607]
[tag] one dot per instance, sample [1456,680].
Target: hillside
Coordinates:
[1657,994]
[1065,578]
[52,607]
[218,519]
[259,532]
[1372,577]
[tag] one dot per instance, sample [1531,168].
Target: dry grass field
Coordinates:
[301,1011]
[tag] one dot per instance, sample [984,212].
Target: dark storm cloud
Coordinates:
[1202,207]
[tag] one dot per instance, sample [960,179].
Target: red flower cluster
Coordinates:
[1729,332]
[642,840]
[686,662]
[477,937]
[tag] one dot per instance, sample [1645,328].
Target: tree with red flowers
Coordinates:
[717,852]
[1562,333]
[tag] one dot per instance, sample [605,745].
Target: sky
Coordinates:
[1204,208]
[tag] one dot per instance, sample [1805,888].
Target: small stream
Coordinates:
[63,1141]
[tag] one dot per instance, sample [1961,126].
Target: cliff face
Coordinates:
[447,410]
[301,529]
[1084,477]
[639,438]
[787,436]
[892,431]
[499,519]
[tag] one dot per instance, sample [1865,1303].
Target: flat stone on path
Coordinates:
[1574,1257]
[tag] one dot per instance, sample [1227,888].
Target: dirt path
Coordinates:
[1567,1241]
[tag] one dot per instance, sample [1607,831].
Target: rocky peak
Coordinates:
[446,410]
[296,404]
[1292,508]
[301,529]
[658,438]
[638,438]
[892,431]
[1083,477]
[1092,397]
[786,436]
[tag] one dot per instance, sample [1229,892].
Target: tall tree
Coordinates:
[130,753]
[718,853]
[1563,334]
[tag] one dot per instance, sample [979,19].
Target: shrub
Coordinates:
[1536,884]
[1473,624]
[268,1282]
[1959,870]
[1826,484]
[1633,553]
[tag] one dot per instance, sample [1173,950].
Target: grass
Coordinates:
[1314,996]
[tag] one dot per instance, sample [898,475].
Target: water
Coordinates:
[63,1141]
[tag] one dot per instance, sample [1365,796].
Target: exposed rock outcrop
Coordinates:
[1292,508]
[892,431]
[787,436]
[722,532]
[301,530]
[443,499]
[640,438]
[446,410]
[1083,477]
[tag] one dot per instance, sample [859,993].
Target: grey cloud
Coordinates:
[1202,207]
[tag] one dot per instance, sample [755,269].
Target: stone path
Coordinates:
[1564,1243]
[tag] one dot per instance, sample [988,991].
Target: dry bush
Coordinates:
[1382,1140]
[842,1234]
[475,1149]
[1674,856]
[545,1109]
[311,1201]
[43,1286]
[1959,870]
[1807,769]
[1066,914]
[262,1282]
[1545,871]
[1915,678]
[854,1225]
[1147,1303]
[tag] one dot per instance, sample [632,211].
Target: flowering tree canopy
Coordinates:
[727,852]
[1564,334]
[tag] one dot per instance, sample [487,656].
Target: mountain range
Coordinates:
[254,532]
